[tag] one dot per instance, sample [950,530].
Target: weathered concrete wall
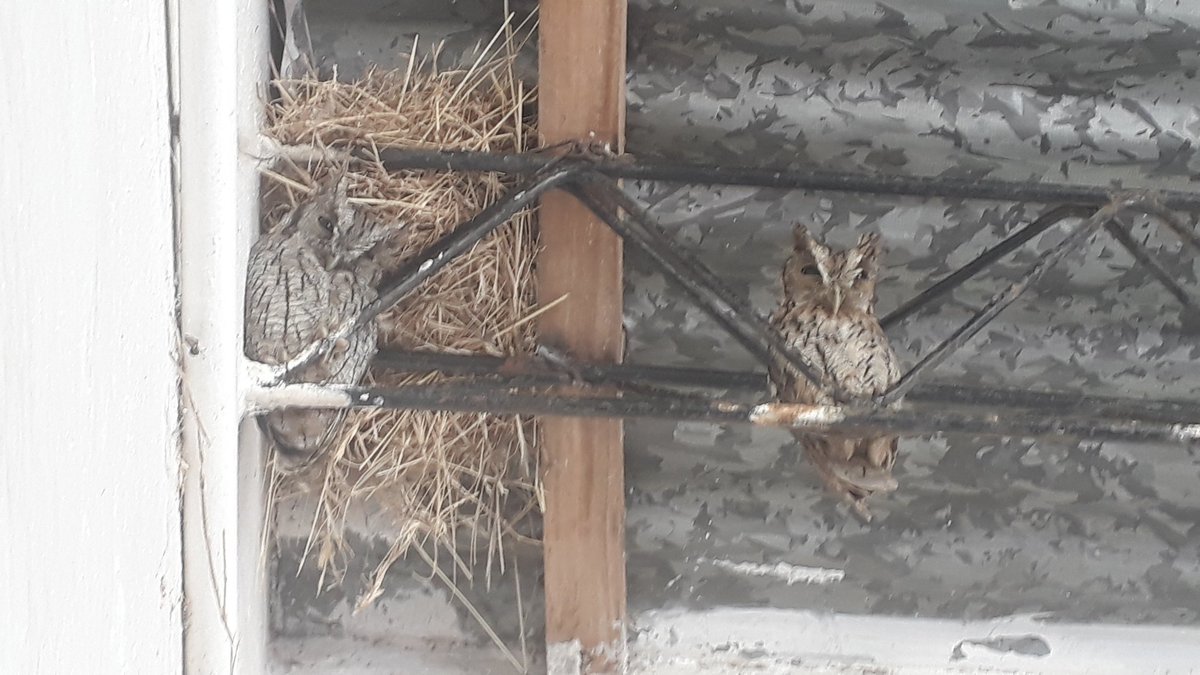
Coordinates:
[89,459]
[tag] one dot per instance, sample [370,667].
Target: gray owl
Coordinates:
[305,279]
[828,315]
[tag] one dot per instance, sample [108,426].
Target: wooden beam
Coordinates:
[581,84]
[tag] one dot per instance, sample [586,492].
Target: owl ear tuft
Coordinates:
[342,176]
[337,182]
[870,240]
[803,241]
[870,250]
[332,186]
[806,243]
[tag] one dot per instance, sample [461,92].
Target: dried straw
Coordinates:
[461,484]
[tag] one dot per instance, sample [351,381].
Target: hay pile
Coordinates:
[461,484]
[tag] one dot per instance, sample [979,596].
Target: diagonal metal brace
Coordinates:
[1000,301]
[1050,218]
[1120,232]
[633,224]
[431,261]
[983,261]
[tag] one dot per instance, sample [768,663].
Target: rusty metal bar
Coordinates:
[530,371]
[911,418]
[1120,232]
[1117,230]
[627,167]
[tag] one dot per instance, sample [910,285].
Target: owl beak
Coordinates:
[837,299]
[335,244]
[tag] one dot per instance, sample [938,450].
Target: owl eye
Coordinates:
[810,270]
[326,223]
[859,275]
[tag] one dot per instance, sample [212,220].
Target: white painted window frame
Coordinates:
[221,51]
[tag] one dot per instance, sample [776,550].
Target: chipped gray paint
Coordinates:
[1063,91]
[979,528]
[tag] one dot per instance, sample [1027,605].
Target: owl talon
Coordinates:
[339,348]
[559,362]
[264,375]
[595,149]
[860,509]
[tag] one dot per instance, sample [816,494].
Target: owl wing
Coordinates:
[853,353]
[287,299]
[861,360]
[302,435]
[347,362]
[805,334]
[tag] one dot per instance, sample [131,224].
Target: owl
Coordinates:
[827,315]
[303,281]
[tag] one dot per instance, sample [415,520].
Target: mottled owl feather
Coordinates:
[297,293]
[827,314]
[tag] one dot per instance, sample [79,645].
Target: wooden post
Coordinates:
[581,84]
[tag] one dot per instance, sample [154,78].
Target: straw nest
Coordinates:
[461,484]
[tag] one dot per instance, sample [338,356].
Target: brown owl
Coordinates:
[828,315]
[304,279]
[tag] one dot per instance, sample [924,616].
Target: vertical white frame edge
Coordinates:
[222,53]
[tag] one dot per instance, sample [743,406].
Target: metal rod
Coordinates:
[527,371]
[906,418]
[1159,209]
[630,220]
[791,178]
[531,370]
[983,260]
[1073,404]
[1001,300]
[1120,232]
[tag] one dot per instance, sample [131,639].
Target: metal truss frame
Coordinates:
[553,384]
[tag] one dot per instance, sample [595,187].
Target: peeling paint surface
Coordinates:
[564,658]
[788,574]
[980,529]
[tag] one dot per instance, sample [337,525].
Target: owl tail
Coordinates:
[853,468]
[301,436]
